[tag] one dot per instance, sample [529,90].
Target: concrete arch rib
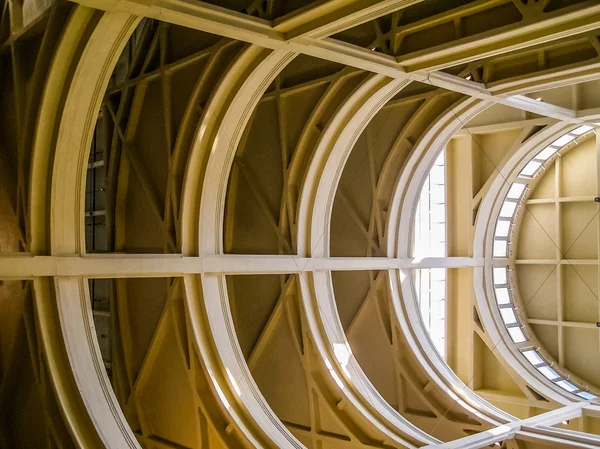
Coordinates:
[314,215]
[400,222]
[217,139]
[89,405]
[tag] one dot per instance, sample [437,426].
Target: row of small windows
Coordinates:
[517,189]
[502,235]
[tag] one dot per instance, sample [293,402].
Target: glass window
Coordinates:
[502,296]
[586,395]
[508,209]
[563,140]
[437,174]
[500,276]
[500,247]
[548,372]
[530,169]
[566,385]
[516,334]
[430,241]
[438,193]
[582,130]
[546,153]
[431,295]
[438,213]
[430,218]
[516,190]
[502,228]
[533,357]
[508,315]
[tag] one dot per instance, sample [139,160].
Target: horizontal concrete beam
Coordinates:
[24,266]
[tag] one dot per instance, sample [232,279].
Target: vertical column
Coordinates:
[598,205]
[559,256]
[461,155]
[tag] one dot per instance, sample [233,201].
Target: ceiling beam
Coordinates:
[509,430]
[501,127]
[23,266]
[334,16]
[477,90]
[224,22]
[533,30]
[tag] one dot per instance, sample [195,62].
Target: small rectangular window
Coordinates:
[502,296]
[500,277]
[516,190]
[546,153]
[533,357]
[508,209]
[566,385]
[436,175]
[508,315]
[502,228]
[563,140]
[582,130]
[587,396]
[548,372]
[516,334]
[500,248]
[530,169]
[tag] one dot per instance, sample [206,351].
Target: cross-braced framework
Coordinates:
[210,213]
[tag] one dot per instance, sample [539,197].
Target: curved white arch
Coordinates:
[483,247]
[400,226]
[73,306]
[218,136]
[315,209]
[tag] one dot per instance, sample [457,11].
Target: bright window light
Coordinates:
[438,213]
[438,193]
[508,315]
[430,241]
[566,385]
[508,209]
[438,274]
[533,357]
[500,277]
[530,169]
[502,296]
[516,334]
[548,372]
[582,130]
[431,295]
[500,248]
[437,174]
[546,153]
[516,190]
[430,219]
[587,396]
[563,140]
[502,228]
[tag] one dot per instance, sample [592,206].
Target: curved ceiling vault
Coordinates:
[213,216]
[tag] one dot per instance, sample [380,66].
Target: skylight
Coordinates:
[430,241]
[501,239]
[516,190]
[533,357]
[516,334]
[500,248]
[502,296]
[530,169]
[502,228]
[546,153]
[563,140]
